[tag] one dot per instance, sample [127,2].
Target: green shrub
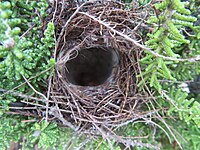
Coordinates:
[25,53]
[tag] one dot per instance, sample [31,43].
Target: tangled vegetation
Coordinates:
[171,56]
[24,56]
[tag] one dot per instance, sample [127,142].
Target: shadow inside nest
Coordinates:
[91,67]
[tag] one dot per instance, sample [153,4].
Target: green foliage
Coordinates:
[175,36]
[189,134]
[45,134]
[101,144]
[139,2]
[9,126]
[13,128]
[139,131]
[188,110]
[24,51]
[165,39]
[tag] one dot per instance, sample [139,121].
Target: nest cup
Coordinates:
[95,80]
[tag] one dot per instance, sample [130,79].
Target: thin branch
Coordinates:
[22,95]
[27,31]
[30,97]
[46,99]
[9,91]
[48,95]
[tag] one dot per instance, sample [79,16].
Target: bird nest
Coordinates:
[95,80]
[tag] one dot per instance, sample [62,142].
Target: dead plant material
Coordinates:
[115,101]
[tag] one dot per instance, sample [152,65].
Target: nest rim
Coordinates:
[124,81]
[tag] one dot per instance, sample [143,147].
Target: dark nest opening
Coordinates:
[95,80]
[91,66]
